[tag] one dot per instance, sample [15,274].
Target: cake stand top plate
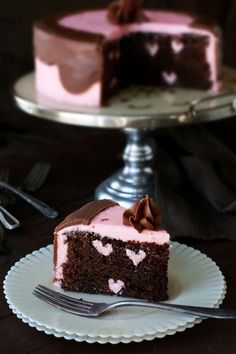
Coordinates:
[135,107]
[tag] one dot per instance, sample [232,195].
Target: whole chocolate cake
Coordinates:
[103,248]
[83,58]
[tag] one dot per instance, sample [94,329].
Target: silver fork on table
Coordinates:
[92,309]
[6,218]
[37,204]
[36,177]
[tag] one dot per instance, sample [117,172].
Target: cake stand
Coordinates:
[137,112]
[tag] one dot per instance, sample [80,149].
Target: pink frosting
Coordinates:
[152,49]
[48,83]
[177,46]
[169,77]
[109,223]
[105,250]
[136,258]
[97,21]
[61,258]
[115,286]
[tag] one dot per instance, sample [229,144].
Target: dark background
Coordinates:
[81,158]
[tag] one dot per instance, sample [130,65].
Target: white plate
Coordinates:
[194,279]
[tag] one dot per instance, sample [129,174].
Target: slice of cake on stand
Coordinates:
[84,58]
[103,248]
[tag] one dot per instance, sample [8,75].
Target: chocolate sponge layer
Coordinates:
[87,270]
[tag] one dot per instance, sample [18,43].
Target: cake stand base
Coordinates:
[136,178]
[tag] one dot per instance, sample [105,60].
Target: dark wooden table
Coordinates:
[80,159]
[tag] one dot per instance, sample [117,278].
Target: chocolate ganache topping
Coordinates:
[125,11]
[144,214]
[86,213]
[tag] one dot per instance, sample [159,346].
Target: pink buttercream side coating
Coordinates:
[109,223]
[61,258]
[49,84]
[159,22]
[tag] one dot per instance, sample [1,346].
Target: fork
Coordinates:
[33,180]
[36,177]
[35,203]
[6,218]
[95,309]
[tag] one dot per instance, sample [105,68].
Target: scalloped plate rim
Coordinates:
[101,337]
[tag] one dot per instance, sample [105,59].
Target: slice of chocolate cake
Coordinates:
[102,248]
[83,58]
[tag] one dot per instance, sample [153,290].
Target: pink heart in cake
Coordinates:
[152,48]
[136,258]
[177,46]
[105,250]
[169,77]
[115,286]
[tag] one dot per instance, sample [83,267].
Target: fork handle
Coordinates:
[193,310]
[37,204]
[7,219]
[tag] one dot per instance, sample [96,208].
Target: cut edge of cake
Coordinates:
[76,58]
[102,248]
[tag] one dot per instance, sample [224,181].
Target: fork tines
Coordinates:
[63,302]
[36,177]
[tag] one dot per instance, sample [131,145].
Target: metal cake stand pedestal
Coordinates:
[137,112]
